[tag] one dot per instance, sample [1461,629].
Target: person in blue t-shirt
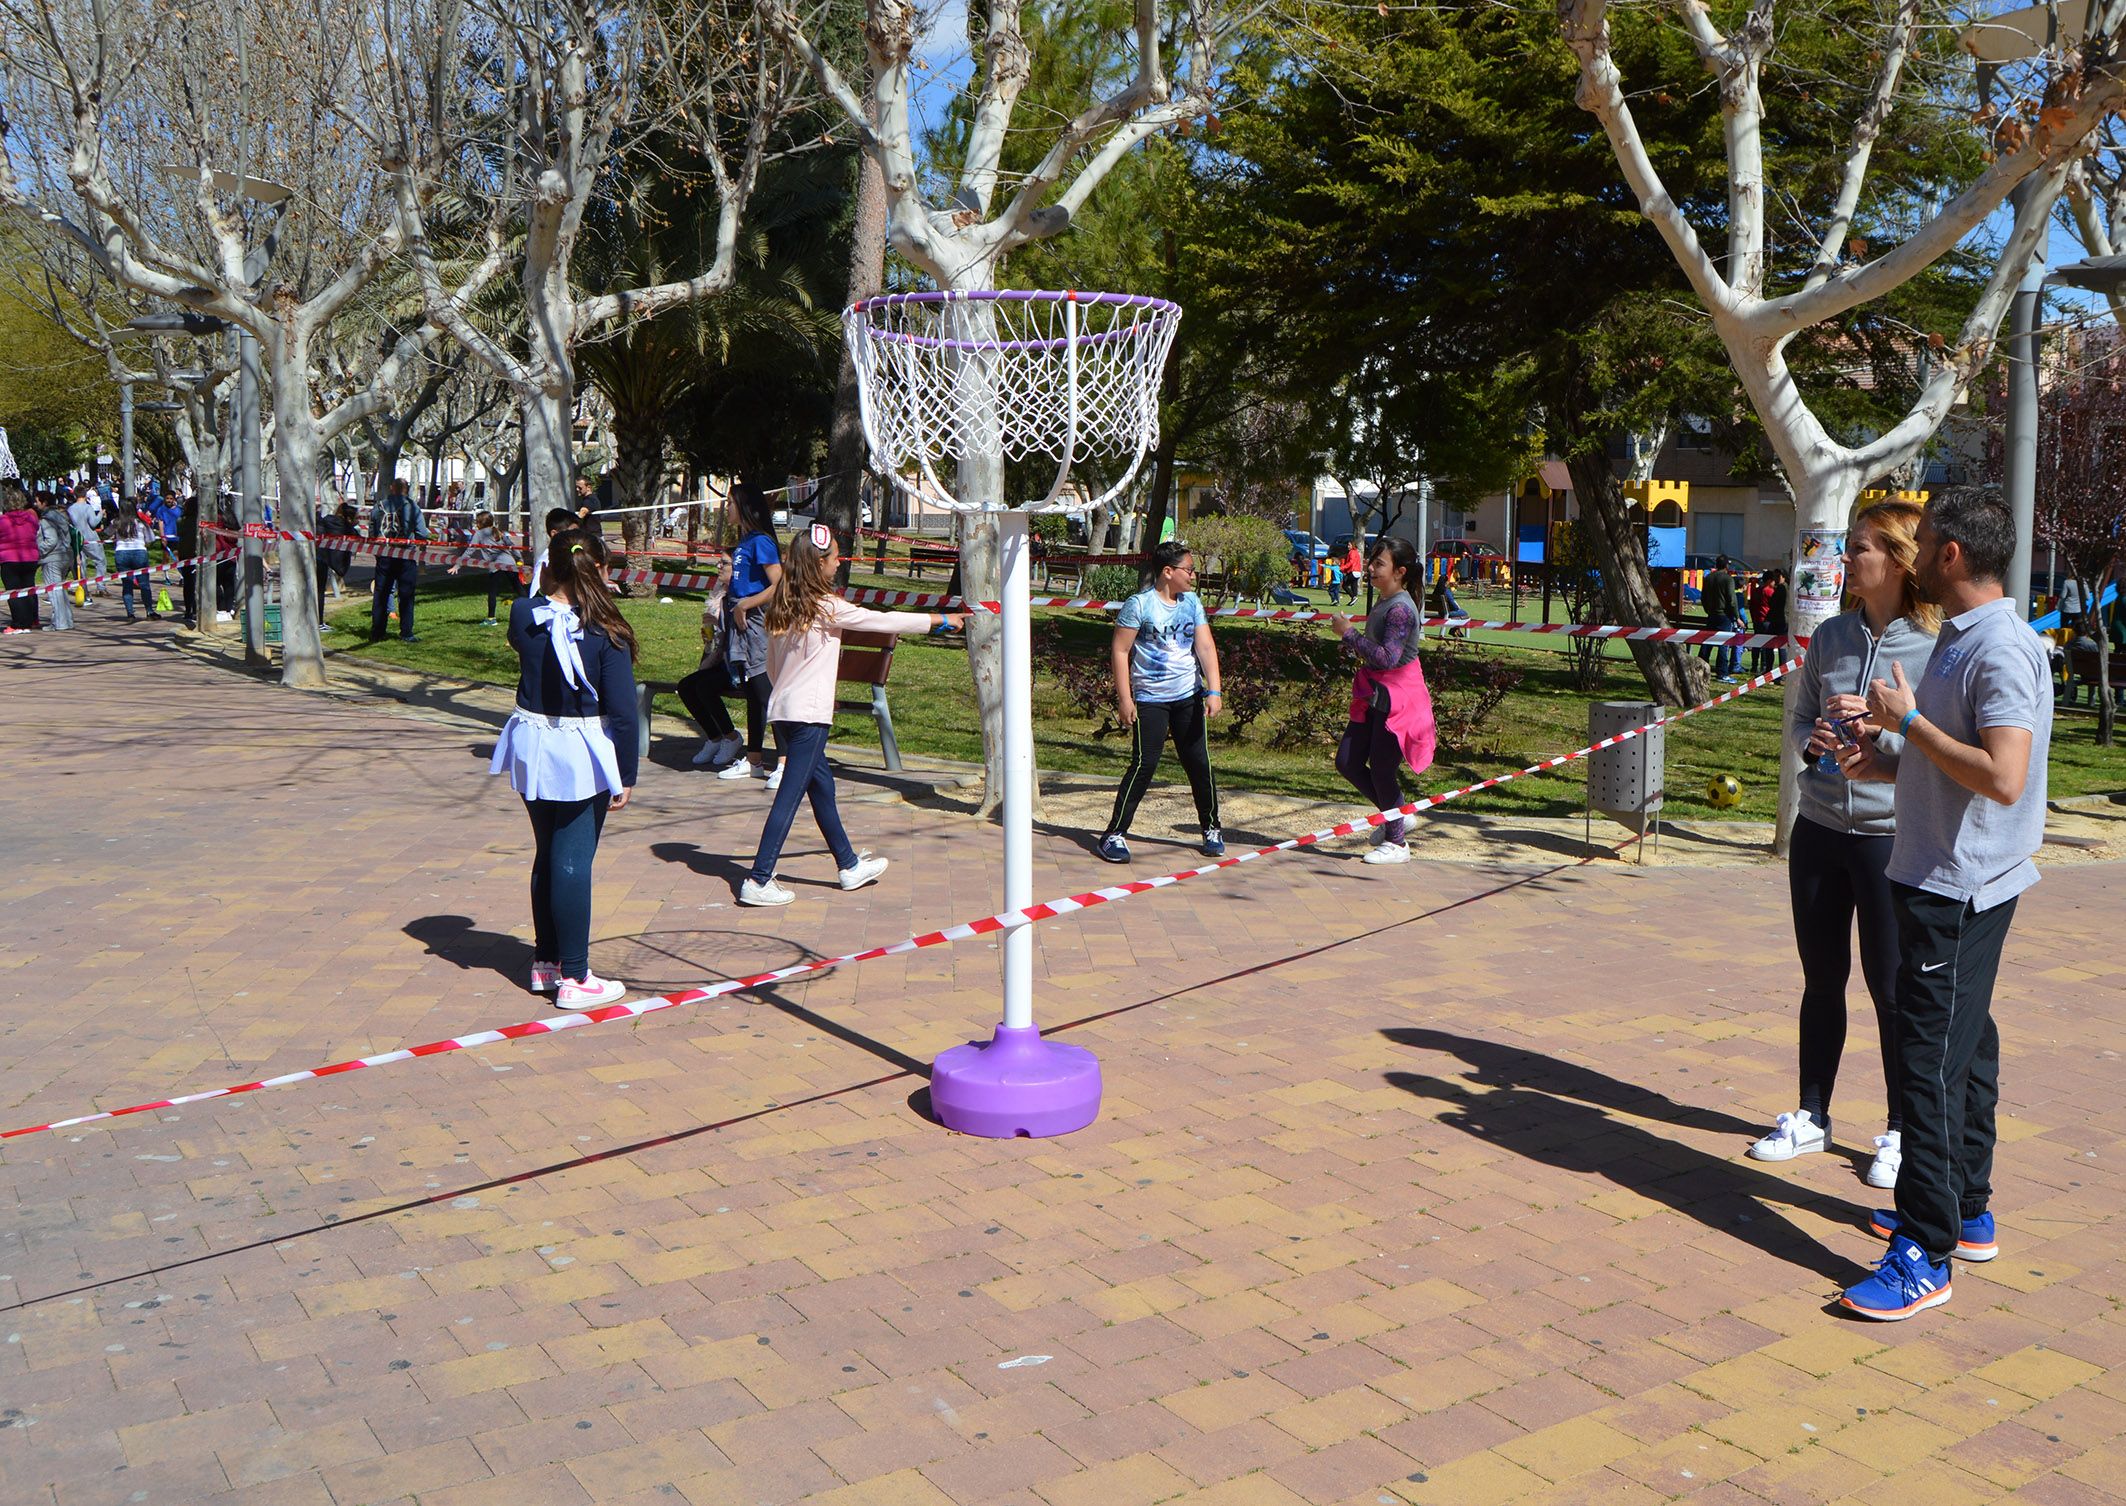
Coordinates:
[1166,683]
[756,570]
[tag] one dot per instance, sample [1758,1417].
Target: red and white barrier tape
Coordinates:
[97,580]
[870,596]
[445,554]
[987,925]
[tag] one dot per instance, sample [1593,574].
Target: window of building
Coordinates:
[1716,533]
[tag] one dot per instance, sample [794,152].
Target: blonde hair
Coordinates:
[1896,528]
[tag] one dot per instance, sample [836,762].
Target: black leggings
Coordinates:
[21,610]
[702,693]
[1371,757]
[1185,721]
[502,585]
[1832,877]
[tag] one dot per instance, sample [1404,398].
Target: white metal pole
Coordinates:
[1013,546]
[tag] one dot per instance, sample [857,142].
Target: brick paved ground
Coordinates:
[1412,1185]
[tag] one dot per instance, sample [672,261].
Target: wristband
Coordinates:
[1214,695]
[1904,725]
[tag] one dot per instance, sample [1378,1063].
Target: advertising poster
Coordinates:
[1819,574]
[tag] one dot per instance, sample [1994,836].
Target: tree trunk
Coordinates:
[295,457]
[841,493]
[638,467]
[549,457]
[1155,506]
[1822,506]
[1673,677]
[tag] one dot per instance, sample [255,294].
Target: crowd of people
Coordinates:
[66,538]
[1924,713]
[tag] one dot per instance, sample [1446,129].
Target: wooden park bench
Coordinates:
[866,659]
[2078,671]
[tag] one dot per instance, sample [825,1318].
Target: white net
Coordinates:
[960,390]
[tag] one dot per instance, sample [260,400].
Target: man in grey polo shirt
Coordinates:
[1970,812]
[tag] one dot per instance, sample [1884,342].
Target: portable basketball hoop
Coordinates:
[954,388]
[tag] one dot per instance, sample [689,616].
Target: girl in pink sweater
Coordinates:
[805,622]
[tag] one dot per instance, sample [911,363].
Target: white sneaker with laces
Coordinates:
[770,893]
[865,870]
[1889,1156]
[1389,852]
[1795,1134]
[775,779]
[590,992]
[739,769]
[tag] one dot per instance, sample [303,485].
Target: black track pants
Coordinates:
[1185,721]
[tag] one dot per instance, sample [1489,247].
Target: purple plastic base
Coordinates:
[1016,1084]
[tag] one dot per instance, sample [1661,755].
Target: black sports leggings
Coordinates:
[703,692]
[1371,757]
[1833,877]
[1156,720]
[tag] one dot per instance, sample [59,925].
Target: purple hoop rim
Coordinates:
[1017,295]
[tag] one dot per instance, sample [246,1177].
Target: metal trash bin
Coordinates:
[1628,781]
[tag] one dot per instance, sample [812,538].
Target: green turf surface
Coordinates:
[934,714]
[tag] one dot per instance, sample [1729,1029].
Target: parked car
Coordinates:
[1343,541]
[1475,550]
[1307,544]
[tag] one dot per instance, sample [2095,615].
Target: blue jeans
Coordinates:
[804,772]
[1729,660]
[133,559]
[566,836]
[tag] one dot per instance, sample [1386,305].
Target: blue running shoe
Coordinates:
[1974,1242]
[1213,843]
[1906,1282]
[1114,848]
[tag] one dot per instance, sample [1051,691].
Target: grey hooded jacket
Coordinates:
[1843,658]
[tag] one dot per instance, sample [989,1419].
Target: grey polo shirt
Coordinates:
[1987,670]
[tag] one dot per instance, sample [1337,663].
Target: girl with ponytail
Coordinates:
[570,750]
[805,621]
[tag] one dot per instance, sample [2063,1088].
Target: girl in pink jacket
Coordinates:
[805,622]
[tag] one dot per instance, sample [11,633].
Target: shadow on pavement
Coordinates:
[1580,1121]
[456,940]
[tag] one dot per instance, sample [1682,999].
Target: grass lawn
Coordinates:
[933,708]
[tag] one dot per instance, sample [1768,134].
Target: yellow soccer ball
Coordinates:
[1722,791]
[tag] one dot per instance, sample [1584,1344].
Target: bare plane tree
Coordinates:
[130,134]
[2040,137]
[962,242]
[532,105]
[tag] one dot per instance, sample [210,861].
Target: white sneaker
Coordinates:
[739,769]
[770,893]
[589,992]
[1889,1156]
[1794,1134]
[716,750]
[865,870]
[545,977]
[775,779]
[1389,852]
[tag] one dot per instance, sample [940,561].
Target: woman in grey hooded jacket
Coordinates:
[1844,831]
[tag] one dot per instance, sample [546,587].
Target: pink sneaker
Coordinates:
[545,977]
[590,992]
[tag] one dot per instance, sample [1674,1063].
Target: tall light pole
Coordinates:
[2012,37]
